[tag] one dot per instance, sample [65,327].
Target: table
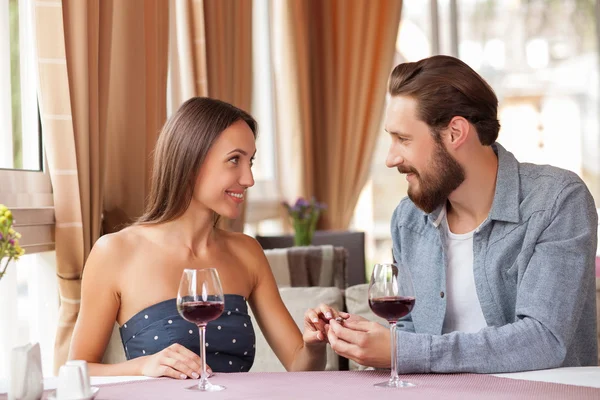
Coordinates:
[561,383]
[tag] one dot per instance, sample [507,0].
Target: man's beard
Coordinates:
[437,182]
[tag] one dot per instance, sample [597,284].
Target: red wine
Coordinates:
[392,308]
[201,312]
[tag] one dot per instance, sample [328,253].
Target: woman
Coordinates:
[202,168]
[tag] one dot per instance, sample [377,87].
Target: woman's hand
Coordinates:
[315,320]
[175,362]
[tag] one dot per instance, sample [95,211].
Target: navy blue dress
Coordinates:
[230,340]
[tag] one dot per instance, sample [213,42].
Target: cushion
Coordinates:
[114,352]
[297,300]
[357,302]
[305,266]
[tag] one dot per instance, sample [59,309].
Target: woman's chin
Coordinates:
[229,214]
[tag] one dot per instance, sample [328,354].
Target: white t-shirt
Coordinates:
[463,310]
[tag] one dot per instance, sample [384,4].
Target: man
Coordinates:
[501,253]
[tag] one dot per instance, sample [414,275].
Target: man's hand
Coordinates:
[366,342]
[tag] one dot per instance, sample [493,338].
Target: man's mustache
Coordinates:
[407,170]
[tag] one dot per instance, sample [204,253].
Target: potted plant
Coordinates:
[304,215]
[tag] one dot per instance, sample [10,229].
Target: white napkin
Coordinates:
[26,380]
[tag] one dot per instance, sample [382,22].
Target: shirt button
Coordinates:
[442,295]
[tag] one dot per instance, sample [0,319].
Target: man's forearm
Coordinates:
[521,346]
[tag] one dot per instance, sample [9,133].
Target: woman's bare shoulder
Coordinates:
[243,244]
[117,241]
[116,248]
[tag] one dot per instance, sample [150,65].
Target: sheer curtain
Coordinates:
[187,52]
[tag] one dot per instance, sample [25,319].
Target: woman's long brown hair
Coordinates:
[181,149]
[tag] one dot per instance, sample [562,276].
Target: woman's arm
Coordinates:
[296,351]
[100,302]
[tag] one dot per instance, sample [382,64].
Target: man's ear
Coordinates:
[457,132]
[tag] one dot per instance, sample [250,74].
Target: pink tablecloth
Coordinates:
[348,385]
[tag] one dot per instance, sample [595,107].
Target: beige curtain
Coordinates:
[136,104]
[187,52]
[332,58]
[211,55]
[228,29]
[102,100]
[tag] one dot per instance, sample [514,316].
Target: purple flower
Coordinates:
[301,202]
[12,242]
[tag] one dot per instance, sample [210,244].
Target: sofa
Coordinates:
[297,300]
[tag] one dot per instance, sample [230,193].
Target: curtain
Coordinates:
[333,59]
[102,102]
[228,29]
[211,55]
[187,52]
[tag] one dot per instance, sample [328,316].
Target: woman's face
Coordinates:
[227,171]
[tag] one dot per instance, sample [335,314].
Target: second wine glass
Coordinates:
[392,296]
[200,300]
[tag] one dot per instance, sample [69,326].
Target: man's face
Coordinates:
[432,173]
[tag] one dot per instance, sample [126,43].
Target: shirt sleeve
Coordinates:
[558,281]
[405,323]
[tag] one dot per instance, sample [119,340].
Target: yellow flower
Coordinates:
[18,235]
[2,208]
[7,214]
[2,219]
[11,231]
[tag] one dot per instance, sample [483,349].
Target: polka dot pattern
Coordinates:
[229,339]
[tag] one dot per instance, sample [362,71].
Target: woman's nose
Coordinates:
[247,179]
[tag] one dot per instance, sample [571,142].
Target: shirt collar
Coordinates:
[506,198]
[505,206]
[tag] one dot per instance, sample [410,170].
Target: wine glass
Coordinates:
[391,296]
[200,300]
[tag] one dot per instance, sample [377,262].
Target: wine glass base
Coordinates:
[208,387]
[394,384]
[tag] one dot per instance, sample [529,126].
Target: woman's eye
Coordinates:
[235,159]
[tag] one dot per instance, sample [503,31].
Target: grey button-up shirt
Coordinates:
[534,268]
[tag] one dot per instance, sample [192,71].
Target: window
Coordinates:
[20,144]
[24,185]
[29,297]
[542,61]
[540,57]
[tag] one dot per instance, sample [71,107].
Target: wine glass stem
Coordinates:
[394,353]
[203,374]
